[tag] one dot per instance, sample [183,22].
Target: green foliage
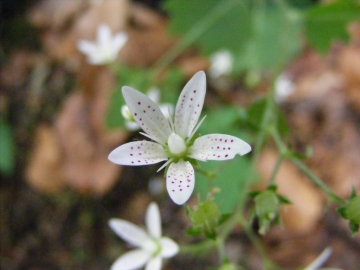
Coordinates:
[267,207]
[325,23]
[216,24]
[351,212]
[275,38]
[252,117]
[7,148]
[231,177]
[205,219]
[260,34]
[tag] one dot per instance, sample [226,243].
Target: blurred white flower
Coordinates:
[283,87]
[105,49]
[151,246]
[221,63]
[319,261]
[154,94]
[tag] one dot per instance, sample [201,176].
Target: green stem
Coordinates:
[317,181]
[276,169]
[284,151]
[201,247]
[268,264]
[194,33]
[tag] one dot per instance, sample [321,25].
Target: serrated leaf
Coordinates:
[275,37]
[232,177]
[326,23]
[212,24]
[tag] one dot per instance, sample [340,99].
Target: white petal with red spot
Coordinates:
[138,153]
[180,181]
[147,114]
[218,147]
[190,104]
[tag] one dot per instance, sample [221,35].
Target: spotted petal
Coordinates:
[131,260]
[147,114]
[218,147]
[180,181]
[190,104]
[138,153]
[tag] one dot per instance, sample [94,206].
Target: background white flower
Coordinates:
[173,141]
[151,246]
[106,47]
[221,63]
[284,87]
[154,94]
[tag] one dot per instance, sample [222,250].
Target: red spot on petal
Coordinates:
[226,155]
[139,103]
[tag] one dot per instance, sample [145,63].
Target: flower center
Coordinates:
[176,144]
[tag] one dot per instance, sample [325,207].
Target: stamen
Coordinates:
[195,129]
[150,137]
[165,164]
[171,119]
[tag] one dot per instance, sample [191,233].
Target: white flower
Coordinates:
[174,141]
[106,47]
[319,261]
[151,247]
[221,64]
[283,87]
[154,94]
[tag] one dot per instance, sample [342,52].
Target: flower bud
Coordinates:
[205,218]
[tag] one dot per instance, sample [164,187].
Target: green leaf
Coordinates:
[113,117]
[7,148]
[232,177]
[212,24]
[222,120]
[275,33]
[326,23]
[255,114]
